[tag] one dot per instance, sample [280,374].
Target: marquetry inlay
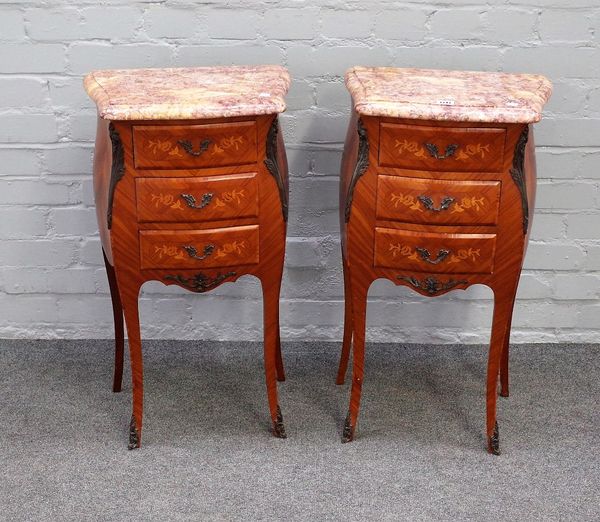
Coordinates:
[464,254]
[468,202]
[159,147]
[407,200]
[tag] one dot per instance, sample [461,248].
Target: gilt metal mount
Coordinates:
[200,282]
[362,163]
[431,285]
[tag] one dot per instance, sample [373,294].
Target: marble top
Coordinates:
[188,93]
[433,94]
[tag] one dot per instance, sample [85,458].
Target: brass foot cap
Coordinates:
[278,429]
[348,433]
[494,442]
[134,437]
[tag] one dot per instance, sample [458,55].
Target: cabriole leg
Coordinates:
[503,305]
[505,352]
[118,320]
[270,317]
[347,341]
[359,315]
[132,320]
[279,360]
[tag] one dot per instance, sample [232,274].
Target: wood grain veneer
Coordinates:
[436,201]
[191,249]
[434,252]
[193,219]
[197,198]
[194,146]
[383,222]
[427,147]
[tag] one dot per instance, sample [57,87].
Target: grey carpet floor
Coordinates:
[207,454]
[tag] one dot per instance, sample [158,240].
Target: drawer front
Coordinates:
[194,146]
[433,252]
[417,200]
[441,148]
[196,199]
[211,248]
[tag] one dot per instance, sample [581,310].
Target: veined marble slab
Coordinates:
[188,93]
[434,94]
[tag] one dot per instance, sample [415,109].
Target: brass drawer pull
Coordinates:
[191,200]
[193,253]
[189,148]
[426,256]
[434,152]
[428,203]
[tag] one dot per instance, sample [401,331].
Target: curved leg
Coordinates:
[270,318]
[505,353]
[347,342]
[359,315]
[129,298]
[118,320]
[504,363]
[279,359]
[503,305]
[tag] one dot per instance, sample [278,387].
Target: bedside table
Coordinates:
[437,191]
[190,182]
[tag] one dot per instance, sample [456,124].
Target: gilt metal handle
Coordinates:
[193,253]
[191,200]
[435,153]
[189,148]
[428,203]
[426,256]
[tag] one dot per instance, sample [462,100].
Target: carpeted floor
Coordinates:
[207,454]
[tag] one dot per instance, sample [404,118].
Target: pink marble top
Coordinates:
[188,93]
[432,94]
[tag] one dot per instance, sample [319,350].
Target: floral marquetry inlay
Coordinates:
[459,152]
[166,200]
[228,198]
[410,146]
[471,202]
[235,247]
[407,200]
[464,254]
[467,203]
[232,196]
[473,150]
[168,251]
[175,252]
[160,147]
[233,142]
[403,250]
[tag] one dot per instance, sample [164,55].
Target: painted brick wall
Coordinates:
[52,282]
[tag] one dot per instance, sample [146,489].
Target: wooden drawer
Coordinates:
[194,146]
[196,199]
[427,201]
[434,252]
[441,148]
[199,248]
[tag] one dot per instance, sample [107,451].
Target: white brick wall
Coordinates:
[52,282]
